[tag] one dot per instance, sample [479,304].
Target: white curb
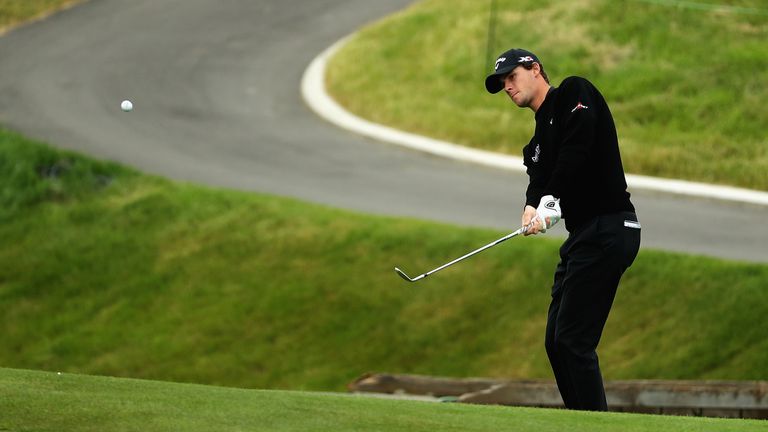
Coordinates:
[314,94]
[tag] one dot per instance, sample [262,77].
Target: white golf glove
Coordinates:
[548,212]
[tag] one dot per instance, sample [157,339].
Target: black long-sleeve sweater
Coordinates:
[574,155]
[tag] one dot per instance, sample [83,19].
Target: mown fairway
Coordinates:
[49,402]
[686,85]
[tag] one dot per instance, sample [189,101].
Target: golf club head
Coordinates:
[406,277]
[402,274]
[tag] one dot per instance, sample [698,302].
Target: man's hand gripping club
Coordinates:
[543,217]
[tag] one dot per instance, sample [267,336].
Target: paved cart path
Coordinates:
[216,90]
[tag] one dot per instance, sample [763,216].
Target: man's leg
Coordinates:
[586,301]
[564,383]
[595,262]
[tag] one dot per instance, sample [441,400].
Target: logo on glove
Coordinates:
[548,212]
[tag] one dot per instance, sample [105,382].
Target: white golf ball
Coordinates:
[126,105]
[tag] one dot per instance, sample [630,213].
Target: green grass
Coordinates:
[686,85]
[45,401]
[13,12]
[106,271]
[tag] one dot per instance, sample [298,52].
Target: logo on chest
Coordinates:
[536,153]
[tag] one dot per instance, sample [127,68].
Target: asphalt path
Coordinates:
[216,93]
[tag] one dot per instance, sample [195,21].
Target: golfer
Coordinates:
[575,173]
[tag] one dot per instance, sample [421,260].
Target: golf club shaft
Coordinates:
[489,245]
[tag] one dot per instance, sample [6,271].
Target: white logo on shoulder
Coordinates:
[500,60]
[536,153]
[579,106]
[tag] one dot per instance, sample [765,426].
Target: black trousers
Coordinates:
[592,260]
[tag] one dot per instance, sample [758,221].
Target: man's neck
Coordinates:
[541,93]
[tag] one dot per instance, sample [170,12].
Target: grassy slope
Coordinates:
[686,86]
[13,12]
[106,271]
[49,402]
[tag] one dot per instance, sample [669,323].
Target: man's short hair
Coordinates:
[529,66]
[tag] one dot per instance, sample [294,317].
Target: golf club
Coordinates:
[489,245]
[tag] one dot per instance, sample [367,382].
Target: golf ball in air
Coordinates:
[126,105]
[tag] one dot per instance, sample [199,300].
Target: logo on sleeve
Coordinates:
[536,153]
[579,106]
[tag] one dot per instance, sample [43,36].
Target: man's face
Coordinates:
[520,85]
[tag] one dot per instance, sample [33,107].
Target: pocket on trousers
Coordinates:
[619,235]
[631,240]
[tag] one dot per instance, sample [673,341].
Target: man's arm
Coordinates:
[536,184]
[576,113]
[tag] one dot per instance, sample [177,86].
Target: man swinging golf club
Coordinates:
[575,173]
